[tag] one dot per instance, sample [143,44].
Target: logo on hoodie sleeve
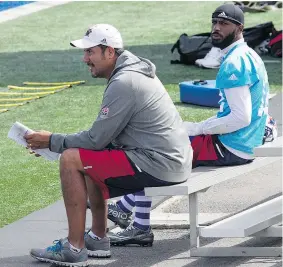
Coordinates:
[104,112]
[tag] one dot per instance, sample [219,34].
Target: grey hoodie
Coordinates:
[138,116]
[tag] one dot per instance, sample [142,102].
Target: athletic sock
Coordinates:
[126,203]
[142,212]
[74,249]
[93,235]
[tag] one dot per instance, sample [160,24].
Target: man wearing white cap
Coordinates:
[138,140]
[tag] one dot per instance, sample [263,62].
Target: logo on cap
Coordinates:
[89,31]
[103,41]
[223,15]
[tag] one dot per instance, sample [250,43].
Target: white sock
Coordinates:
[74,249]
[93,235]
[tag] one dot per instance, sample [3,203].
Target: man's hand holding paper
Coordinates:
[38,140]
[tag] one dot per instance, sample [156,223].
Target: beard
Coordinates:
[229,39]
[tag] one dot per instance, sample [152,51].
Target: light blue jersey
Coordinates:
[242,66]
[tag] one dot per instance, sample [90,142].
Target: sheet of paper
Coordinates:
[17,133]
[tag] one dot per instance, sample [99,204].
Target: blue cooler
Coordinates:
[200,92]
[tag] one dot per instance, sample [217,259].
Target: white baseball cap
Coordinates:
[97,34]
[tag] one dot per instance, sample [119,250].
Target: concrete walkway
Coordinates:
[38,229]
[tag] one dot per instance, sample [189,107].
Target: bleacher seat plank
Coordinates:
[204,177]
[257,221]
[248,222]
[272,149]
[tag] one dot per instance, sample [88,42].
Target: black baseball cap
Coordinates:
[229,12]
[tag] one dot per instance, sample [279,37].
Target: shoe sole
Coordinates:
[205,67]
[60,263]
[99,253]
[143,243]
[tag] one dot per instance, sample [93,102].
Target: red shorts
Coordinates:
[115,174]
[209,151]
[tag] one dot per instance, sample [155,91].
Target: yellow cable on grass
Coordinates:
[3,110]
[38,88]
[17,99]
[11,105]
[59,83]
[35,94]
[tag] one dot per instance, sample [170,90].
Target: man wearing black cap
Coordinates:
[242,80]
[228,15]
[228,25]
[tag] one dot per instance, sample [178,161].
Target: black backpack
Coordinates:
[257,34]
[191,48]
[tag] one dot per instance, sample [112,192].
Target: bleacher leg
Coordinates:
[193,209]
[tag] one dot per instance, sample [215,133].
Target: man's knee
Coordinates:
[71,157]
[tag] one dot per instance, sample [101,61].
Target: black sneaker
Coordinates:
[118,216]
[132,235]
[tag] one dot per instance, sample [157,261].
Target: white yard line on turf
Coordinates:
[16,12]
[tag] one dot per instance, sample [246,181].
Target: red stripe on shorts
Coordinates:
[103,164]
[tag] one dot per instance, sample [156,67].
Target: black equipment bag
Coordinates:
[191,48]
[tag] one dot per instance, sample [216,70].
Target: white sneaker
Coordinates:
[212,60]
[262,48]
